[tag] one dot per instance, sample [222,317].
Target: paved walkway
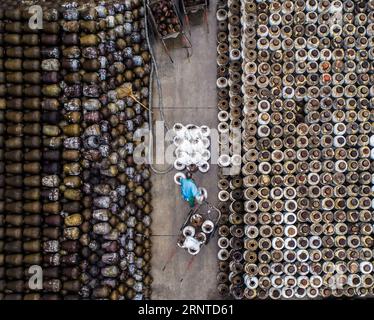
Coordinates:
[189,97]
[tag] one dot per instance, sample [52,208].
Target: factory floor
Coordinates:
[189,94]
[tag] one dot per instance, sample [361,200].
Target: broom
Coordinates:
[126,91]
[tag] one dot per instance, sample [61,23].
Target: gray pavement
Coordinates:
[189,97]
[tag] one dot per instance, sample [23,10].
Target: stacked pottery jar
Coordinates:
[223,107]
[14,258]
[235,126]
[87,26]
[96,138]
[308,94]
[116,266]
[2,161]
[249,140]
[70,185]
[230,184]
[32,143]
[51,153]
[75,202]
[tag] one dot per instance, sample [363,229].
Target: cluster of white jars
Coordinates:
[192,146]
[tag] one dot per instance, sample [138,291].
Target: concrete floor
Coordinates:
[189,93]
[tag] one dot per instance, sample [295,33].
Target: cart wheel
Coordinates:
[178,176]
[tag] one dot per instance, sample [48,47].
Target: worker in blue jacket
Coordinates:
[189,189]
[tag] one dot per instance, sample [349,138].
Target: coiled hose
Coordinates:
[154,70]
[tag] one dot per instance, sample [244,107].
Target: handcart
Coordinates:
[193,6]
[199,227]
[151,6]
